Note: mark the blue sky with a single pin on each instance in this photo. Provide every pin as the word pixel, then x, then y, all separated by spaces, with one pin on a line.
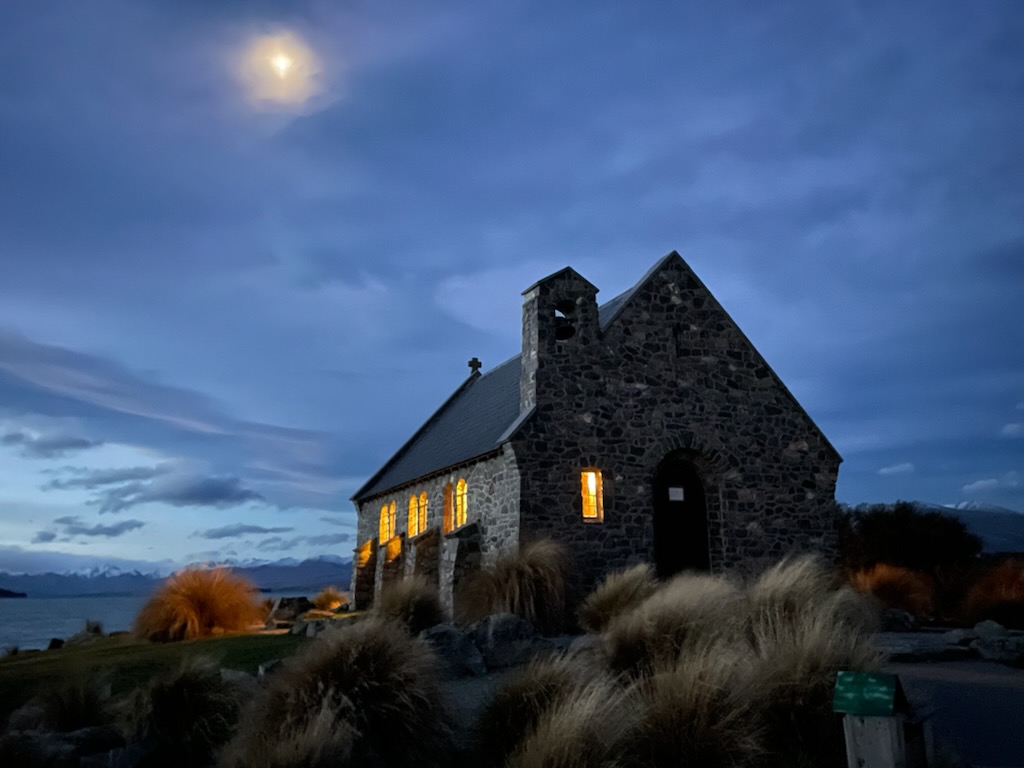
pixel 228 293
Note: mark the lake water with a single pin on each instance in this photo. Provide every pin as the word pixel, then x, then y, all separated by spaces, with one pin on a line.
pixel 30 622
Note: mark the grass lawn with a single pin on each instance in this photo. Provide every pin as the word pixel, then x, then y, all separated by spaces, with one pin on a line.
pixel 128 663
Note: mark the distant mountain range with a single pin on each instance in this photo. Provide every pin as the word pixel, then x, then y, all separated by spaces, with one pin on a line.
pixel 279 575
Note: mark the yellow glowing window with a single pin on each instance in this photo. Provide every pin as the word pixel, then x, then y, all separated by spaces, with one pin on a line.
pixel 449 518
pixel 460 503
pixel 423 512
pixel 414 516
pixel 387 522
pixel 593 495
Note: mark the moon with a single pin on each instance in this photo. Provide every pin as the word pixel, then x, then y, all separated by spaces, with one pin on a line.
pixel 280 71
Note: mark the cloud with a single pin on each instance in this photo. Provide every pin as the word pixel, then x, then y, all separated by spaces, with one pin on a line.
pixel 342 522
pixel 1005 481
pixel 905 468
pixel 239 529
pixel 91 479
pixel 51 446
pixel 72 525
pixel 328 539
pixel 280 544
pixel 980 486
pixel 179 490
pixel 42 537
pixel 1015 429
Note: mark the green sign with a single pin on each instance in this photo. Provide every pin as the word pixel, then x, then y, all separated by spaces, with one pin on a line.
pixel 868 694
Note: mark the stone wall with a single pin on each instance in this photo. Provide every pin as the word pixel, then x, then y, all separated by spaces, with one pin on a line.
pixel 671 373
pixel 492 502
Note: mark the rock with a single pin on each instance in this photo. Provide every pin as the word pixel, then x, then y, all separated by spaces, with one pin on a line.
pixel 456 650
pixel 27 717
pixel 267 668
pixel 125 757
pixel 506 640
pixel 588 646
pixel 897 620
pixel 298 628
pixel 98 738
pixel 1005 650
pixel 314 628
pixel 289 608
pixel 962 637
pixel 987 629
pixel 54 644
pixel 30 748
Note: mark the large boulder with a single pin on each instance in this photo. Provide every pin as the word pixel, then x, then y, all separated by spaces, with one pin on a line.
pixel 506 640
pixel 1007 649
pixel 990 629
pixel 457 651
pixel 288 609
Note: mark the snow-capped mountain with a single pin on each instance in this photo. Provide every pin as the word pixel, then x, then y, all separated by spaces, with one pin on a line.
pixel 285 574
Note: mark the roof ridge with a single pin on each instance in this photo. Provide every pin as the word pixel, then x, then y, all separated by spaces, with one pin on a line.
pixel 432 419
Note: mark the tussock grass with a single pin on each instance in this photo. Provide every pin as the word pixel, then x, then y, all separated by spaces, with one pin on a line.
pixel 522 701
pixel 369 686
pixel 80 701
pixel 898 587
pixel 799 648
pixel 998 594
pixel 579 730
pixel 197 603
pixel 689 610
pixel 182 717
pixel 532 583
pixel 413 602
pixel 329 599
pixel 617 593
pixel 704 710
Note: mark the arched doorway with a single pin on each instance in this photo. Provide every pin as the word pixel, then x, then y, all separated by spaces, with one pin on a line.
pixel 680 518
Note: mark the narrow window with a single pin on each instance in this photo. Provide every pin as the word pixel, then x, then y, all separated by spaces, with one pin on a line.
pixel 386 529
pixel 393 519
pixel 414 516
pixel 593 496
pixel 449 519
pixel 423 512
pixel 460 503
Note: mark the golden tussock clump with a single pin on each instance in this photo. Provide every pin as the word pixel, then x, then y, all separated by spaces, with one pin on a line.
pixel 898 587
pixel 998 594
pixel 532 583
pixel 197 603
pixel 329 599
pixel 617 593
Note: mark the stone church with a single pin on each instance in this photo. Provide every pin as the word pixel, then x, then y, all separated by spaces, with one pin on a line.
pixel 647 428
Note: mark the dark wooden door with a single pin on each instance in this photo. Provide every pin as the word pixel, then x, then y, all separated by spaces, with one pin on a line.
pixel 680 518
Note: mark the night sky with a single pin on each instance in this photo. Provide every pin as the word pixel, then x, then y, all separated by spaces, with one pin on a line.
pixel 246 248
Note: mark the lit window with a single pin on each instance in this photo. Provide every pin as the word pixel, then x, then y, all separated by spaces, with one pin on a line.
pixel 593 496
pixel 414 516
pixel 387 523
pixel 449 518
pixel 460 503
pixel 423 512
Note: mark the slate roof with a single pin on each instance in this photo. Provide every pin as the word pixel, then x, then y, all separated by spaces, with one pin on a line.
pixel 471 423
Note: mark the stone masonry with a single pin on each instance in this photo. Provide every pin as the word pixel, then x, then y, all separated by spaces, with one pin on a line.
pixel 662 372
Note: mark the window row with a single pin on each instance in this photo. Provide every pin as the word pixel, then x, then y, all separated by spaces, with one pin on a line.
pixel 455 512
